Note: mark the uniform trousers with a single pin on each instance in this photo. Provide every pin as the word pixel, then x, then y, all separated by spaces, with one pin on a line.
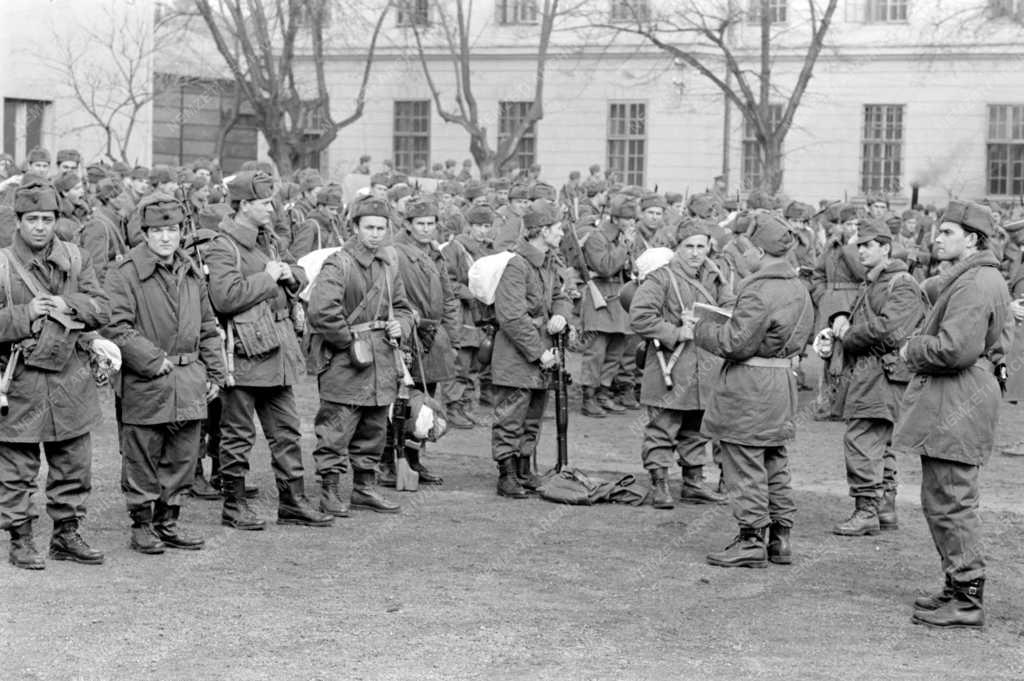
pixel 159 462
pixel 518 413
pixel 279 417
pixel 629 374
pixel 757 480
pixel 347 432
pixel 870 464
pixel 673 435
pixel 601 359
pixel 68 481
pixel 459 390
pixel 949 499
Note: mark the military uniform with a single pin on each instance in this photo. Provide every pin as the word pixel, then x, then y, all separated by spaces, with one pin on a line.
pixel 319 229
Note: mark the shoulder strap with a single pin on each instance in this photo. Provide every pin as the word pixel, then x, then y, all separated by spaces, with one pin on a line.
pixel 75 255
pixel 33 285
pixel 5 275
pixel 692 282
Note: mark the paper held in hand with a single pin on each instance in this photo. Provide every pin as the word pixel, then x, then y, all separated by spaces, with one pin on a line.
pixel 711 313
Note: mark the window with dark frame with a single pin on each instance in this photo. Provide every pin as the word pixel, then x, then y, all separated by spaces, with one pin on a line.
pixel 882 148
pixel 411 134
pixel 752 169
pixel 1005 150
pixel 513 12
pixel 627 141
pixel 883 11
pixel 412 13
pixel 1006 9
pixel 629 10
pixel 24 120
pixel 510 116
pixel 776 11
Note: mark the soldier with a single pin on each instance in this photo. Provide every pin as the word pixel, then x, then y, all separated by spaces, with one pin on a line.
pixel 74 211
pixel 608 265
pixel 251 281
pixel 162 321
pixel 752 407
pixel 460 254
pixel 322 227
pixel 50 296
pixel 38 163
pixel 530 308
pixel 103 235
pixel 358 312
pixel 508 223
pixel 310 184
pixel 68 161
pixel 674 413
pixel 887 310
pixel 364 165
pixel 951 408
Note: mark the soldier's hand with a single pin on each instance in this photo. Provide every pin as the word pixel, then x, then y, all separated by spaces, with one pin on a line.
pixel 556 324
pixel 165 368
pixel 840 325
pixel 60 306
pixel 686 331
pixel 40 306
pixel 394 330
pixel 548 359
pixel 275 269
pixel 286 272
pixel 212 390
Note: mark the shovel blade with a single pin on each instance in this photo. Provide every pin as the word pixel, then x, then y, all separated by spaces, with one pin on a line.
pixel 406 479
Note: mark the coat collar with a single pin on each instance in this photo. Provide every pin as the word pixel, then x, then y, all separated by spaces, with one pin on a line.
pixel 890 268
pixel 943 281
pixel 775 270
pixel 146 262
pixel 56 253
pixel 413 249
pixel 364 256
pixel 244 235
pixel 533 255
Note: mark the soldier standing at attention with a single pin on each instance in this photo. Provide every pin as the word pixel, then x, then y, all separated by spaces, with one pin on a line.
pixel 951 407
pixel 753 406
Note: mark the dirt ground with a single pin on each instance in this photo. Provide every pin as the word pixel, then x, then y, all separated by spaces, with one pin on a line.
pixel 466 585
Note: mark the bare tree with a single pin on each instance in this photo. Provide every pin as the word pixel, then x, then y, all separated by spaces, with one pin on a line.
pixel 259 41
pixel 701 36
pixel 456 47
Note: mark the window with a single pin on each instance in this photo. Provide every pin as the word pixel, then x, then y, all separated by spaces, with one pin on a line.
pixel 413 12
pixel 627 140
pixel 1005 153
pixel 882 148
pixel 304 19
pixel 510 116
pixel 630 10
pixel 517 12
pixel 752 170
pixel 776 11
pixel 1006 9
pixel 880 11
pixel 24 122
pixel 412 134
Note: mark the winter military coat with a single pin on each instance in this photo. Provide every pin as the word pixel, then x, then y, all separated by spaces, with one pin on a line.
pixel 459 255
pixel 49 406
pixel 951 407
pixel 528 295
pixel 163 312
pixel 608 264
pixel 429 292
pixel 836 280
pixel 317 231
pixel 238 282
pixel 887 310
pixel 656 314
pixel 772 317
pixel 1015 357
pixel 103 236
pixel 355 287
pixel 508 229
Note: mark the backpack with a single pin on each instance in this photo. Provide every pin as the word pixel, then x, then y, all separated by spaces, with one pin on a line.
pixel 485 273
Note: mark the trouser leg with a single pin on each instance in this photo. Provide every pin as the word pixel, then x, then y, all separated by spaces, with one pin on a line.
pixel 747 482
pixel 459 390
pixel 615 344
pixel 368 437
pixel 142 447
pixel 280 420
pixel 334 426
pixel 949 499
pixel 19 468
pixel 691 446
pixel 781 505
pixel 69 480
pixel 538 400
pixel 592 360
pixel 865 447
pixel 627 375
pixel 237 430
pixel 176 467
pixel 660 437
pixel 510 408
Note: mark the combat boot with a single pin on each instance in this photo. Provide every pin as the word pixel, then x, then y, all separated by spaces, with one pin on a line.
pixel 524 471
pixel 330 500
pixel 165 523
pixel 201 487
pixel 23 548
pixel 458 418
pixel 627 399
pixel 863 521
pixel 293 507
pixel 887 519
pixel 143 538
pixel 236 512
pixel 937 599
pixel 365 496
pixel 412 455
pixel 661 497
pixel 694 491
pixel 508 481
pixel 746 550
pixel 386 474
pixel 779 551
pixel 590 406
pixel 963 611
pixel 67 544
pixel 607 402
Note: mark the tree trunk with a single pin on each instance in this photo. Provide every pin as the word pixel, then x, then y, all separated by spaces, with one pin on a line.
pixel 280 153
pixel 771 177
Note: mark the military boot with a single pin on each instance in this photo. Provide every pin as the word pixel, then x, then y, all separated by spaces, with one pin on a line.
pixel 201 487
pixel 779 551
pixel 963 611
pixel 863 521
pixel 365 496
pixel 694 491
pixel 887 519
pixel 746 550
pixel 412 455
pixel 590 406
pixel 508 481
pixel 626 398
pixel 458 418
pixel 236 512
pixel 607 401
pixel 661 496
pixel 67 544
pixel 143 538
pixel 937 599
pixel 524 471
pixel 23 548
pixel 294 508
pixel 386 474
pixel 165 523
pixel 330 500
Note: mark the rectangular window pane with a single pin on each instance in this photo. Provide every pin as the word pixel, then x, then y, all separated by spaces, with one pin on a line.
pixel 751 169
pixel 629 10
pixel 1005 150
pixel 510 116
pixel 411 135
pixel 882 148
pixel 627 141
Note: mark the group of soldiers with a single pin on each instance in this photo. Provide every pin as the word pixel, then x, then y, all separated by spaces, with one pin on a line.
pixel 182 287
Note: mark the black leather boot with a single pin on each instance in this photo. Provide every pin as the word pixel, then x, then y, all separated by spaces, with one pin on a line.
pixel 293 508
pixel 236 512
pixel 887 518
pixel 937 599
pixel 165 523
pixel 863 521
pixel 746 550
pixel 67 544
pixel 143 538
pixel 412 455
pixel 607 401
pixel 694 491
pixel 366 497
pixel 963 611
pixel 779 551
pixel 508 481
pixel 590 406
pixel 23 548
pixel 330 499
pixel 201 487
pixel 387 476
pixel 524 471
pixel 661 496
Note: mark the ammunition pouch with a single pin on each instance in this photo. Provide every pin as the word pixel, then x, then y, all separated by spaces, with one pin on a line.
pixel 55 344
pixel 256 330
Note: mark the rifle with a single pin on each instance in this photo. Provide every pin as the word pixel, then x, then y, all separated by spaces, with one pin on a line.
pixel 8 376
pixel 562 380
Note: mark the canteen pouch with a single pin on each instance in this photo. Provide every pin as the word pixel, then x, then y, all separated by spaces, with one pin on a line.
pixel 895 369
pixel 486 349
pixel 54 346
pixel 256 331
pixel 360 352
